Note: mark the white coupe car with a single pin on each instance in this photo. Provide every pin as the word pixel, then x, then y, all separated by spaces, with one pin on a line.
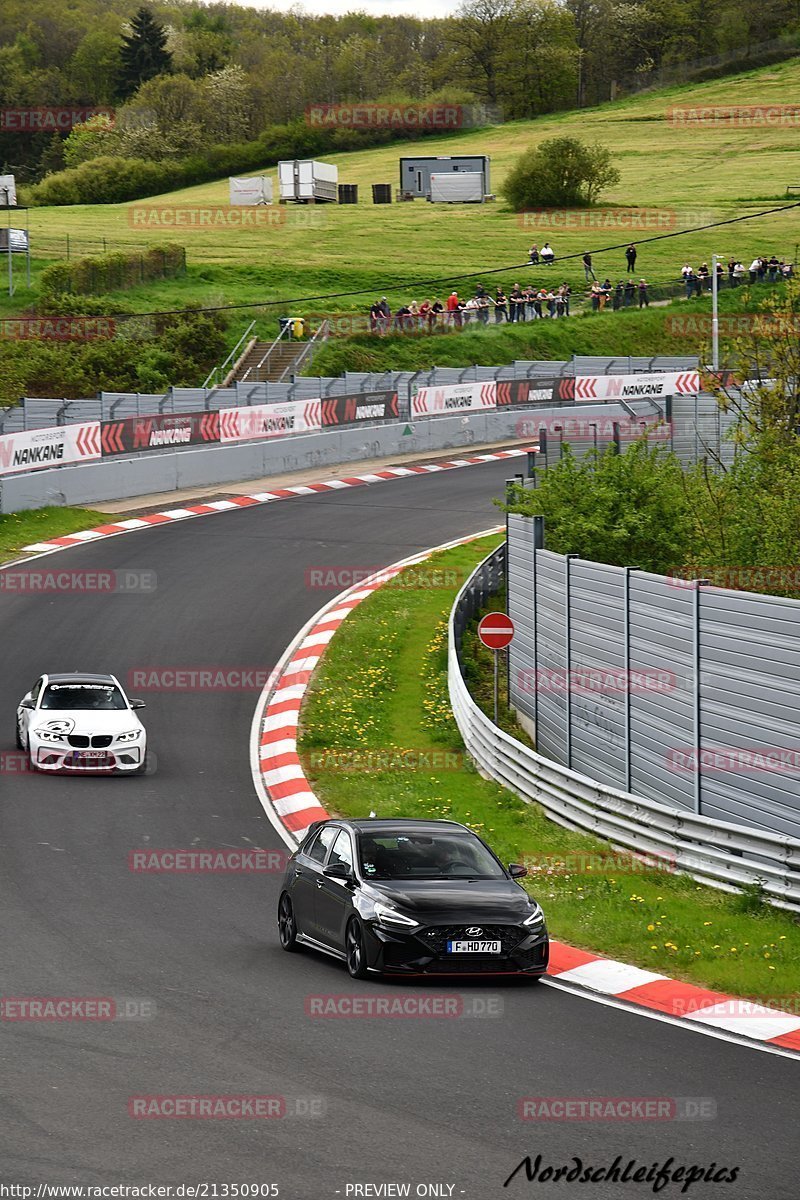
pixel 81 723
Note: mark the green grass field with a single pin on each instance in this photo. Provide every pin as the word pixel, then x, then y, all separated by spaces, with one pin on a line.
pixel 382 688
pixel 24 528
pixel 690 175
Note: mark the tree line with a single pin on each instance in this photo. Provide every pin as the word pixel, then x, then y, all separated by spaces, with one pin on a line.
pixel 183 74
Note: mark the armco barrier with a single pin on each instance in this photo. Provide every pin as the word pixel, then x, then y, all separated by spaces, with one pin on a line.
pixel 723 855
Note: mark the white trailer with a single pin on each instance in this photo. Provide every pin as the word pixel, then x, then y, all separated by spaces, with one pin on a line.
pixel 306 179
pixel 255 190
pixel 464 187
pixel 8 191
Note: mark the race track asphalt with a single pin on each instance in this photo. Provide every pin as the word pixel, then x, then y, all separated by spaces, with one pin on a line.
pixel 416 1101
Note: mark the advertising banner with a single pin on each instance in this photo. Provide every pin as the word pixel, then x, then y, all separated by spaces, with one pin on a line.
pixel 35 448
pixel 530 392
pixel 637 387
pixel 453 398
pixel 159 431
pixel 360 406
pixel 269 420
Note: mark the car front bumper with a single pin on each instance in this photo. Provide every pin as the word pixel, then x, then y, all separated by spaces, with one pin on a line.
pixel 63 758
pixel 424 952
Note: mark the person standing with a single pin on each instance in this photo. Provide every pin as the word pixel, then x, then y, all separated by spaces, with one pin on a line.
pixel 452 309
pixel 587 268
pixel 619 293
pixel 644 299
pixel 630 258
pixel 515 302
pixel 630 292
pixel 500 307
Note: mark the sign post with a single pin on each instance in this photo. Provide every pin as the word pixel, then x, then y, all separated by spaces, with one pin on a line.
pixel 496 631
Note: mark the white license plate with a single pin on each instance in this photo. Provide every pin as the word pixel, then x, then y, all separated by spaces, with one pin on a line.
pixel 475 947
pixel 90 754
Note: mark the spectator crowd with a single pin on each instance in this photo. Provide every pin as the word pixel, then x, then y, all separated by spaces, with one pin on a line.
pixel 531 303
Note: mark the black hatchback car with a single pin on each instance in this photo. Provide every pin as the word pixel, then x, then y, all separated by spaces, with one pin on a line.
pixel 404 897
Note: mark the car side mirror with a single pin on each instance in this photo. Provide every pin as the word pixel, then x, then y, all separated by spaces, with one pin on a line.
pixel 516 870
pixel 27 703
pixel 338 870
pixel 138 704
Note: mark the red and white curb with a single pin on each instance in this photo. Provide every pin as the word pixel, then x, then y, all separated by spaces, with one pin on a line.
pixel 278 773
pixel 216 506
pixel 291 805
pixel 711 1011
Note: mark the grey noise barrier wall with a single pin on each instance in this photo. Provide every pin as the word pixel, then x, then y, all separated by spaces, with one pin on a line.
pixel 686 694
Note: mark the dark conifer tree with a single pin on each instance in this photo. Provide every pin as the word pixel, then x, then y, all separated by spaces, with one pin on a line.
pixel 143 54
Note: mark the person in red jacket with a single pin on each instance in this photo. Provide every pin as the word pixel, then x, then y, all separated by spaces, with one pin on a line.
pixel 453 311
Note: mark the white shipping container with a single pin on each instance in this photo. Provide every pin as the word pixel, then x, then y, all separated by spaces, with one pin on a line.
pixel 307 179
pixel 458 187
pixel 8 191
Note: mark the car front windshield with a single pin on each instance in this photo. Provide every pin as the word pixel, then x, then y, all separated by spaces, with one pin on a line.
pixel 389 855
pixel 91 697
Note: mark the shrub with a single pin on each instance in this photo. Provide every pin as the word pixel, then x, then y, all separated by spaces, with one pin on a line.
pixel 561 171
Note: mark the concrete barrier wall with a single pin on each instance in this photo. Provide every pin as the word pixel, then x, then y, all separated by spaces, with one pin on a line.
pixel 120 478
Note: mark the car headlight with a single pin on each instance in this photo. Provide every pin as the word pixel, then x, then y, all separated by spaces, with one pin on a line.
pixel 130 736
pixel 390 916
pixel 536 917
pixel 51 735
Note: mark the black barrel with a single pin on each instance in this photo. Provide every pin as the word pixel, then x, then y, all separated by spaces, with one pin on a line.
pixel 348 193
pixel 381 193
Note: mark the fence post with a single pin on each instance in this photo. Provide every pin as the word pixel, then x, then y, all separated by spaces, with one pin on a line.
pixel 538 544
pixel 568 650
pixel 697 716
pixel 627 668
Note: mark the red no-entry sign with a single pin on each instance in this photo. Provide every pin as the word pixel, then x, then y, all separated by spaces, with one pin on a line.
pixel 496 630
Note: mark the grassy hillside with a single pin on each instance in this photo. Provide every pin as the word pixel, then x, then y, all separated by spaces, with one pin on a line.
pixel 695 174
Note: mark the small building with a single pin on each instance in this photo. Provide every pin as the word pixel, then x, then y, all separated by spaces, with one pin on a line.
pixel 415 173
